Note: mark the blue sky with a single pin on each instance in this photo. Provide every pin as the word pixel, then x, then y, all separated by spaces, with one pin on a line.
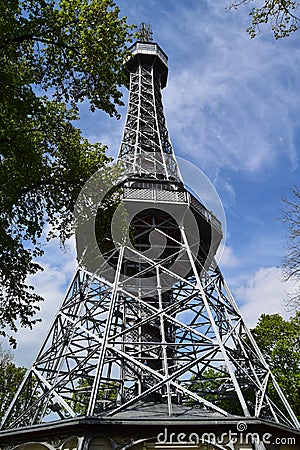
pixel 232 109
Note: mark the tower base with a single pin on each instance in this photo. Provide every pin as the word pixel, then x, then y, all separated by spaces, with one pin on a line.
pixel 146 427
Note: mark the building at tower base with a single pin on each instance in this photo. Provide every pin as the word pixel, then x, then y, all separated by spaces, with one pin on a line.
pixel 148 428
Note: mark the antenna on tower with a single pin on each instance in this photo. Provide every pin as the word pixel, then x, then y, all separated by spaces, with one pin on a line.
pixel 145 33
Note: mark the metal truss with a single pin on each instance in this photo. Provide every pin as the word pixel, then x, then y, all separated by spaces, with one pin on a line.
pixel 160 327
pixel 145 147
pixel 185 346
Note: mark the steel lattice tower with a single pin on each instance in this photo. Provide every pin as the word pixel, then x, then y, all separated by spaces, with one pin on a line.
pixel 162 334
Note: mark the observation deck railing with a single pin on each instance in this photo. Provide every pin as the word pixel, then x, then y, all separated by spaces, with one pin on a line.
pixel 171 196
pixel 149 49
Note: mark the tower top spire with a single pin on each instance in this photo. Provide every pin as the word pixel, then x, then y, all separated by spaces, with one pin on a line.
pixel 145 32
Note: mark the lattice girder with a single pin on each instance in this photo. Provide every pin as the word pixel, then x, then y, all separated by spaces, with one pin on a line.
pixel 145 147
pixel 156 322
pixel 109 348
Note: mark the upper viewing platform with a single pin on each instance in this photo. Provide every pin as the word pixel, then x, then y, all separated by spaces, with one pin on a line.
pixel 149 48
pixel 147 53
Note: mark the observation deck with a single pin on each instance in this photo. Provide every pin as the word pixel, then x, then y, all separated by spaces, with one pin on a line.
pixel 148 54
pixel 158 194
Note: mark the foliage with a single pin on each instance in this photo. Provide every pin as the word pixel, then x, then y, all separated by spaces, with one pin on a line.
pixel 97 212
pixel 291 261
pixel 107 393
pixel 10 378
pixel 280 14
pixel 74 47
pixel 51 52
pixel 215 386
pixel 279 341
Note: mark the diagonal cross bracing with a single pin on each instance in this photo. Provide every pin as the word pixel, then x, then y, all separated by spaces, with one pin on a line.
pixel 154 328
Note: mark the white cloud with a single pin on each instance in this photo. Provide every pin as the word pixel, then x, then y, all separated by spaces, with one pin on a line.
pixel 229 103
pixel 226 257
pixel 59 268
pixel 228 187
pixel 263 293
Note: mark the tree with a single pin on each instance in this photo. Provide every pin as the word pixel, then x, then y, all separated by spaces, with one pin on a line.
pixel 54 54
pixel 215 387
pixel 279 341
pixel 291 260
pixel 107 393
pixel 280 14
pixel 10 378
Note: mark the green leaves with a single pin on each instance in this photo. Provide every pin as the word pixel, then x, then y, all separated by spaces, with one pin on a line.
pixel 281 15
pixel 51 53
pixel 291 260
pixel 45 162
pixel 279 341
pixel 10 379
pixel 75 48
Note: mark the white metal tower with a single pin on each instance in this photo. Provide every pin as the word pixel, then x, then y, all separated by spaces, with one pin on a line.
pixel 154 328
